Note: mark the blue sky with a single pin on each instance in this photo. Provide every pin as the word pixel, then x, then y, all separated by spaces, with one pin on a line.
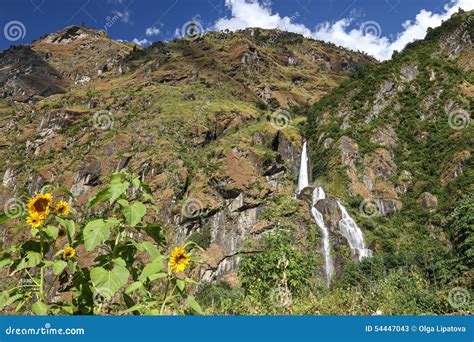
pixel 375 26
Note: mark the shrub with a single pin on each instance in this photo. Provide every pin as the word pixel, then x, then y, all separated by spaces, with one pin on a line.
pixel 93 259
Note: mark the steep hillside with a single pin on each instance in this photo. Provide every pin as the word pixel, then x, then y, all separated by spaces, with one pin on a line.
pixel 205 122
pixel 395 142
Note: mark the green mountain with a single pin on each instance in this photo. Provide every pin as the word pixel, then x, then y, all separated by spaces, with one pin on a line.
pixel 215 124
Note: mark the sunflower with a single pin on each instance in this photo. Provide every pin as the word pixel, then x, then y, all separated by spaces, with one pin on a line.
pixel 69 252
pixel 179 260
pixel 40 204
pixel 35 220
pixel 62 208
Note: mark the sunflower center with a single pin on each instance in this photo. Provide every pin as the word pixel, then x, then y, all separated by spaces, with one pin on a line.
pixel 180 259
pixel 41 205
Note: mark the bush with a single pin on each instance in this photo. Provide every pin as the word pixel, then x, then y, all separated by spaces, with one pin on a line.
pixel 91 257
pixel 279 265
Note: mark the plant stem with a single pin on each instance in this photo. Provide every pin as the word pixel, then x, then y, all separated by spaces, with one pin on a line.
pixel 41 271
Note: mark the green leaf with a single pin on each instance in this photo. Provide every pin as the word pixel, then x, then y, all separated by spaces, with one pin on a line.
pixel 151 250
pixel 136 182
pixel 158 276
pixel 180 283
pixel 6 261
pixel 97 231
pixel 194 305
pixel 101 196
pixel 40 308
pixel 134 213
pixel 151 269
pixel 107 283
pixel 59 266
pixel 135 286
pixel 117 188
pixel 6 300
pixel 30 260
pixel 51 231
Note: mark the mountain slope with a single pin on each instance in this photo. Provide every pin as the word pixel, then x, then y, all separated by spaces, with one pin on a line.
pixel 395 142
pixel 195 119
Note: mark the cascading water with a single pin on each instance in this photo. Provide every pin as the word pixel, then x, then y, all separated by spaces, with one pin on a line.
pixel 348 227
pixel 303 179
pixel 318 194
pixel 353 234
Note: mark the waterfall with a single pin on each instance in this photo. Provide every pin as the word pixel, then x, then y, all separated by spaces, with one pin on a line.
pixel 349 229
pixel 353 234
pixel 303 179
pixel 318 194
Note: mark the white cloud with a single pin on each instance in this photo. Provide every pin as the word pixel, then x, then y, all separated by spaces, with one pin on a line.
pixel 142 42
pixel 367 37
pixel 124 15
pixel 152 31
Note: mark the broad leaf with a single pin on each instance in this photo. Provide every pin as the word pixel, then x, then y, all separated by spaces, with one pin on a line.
pixel 151 269
pixel 193 304
pixel 97 231
pixel 135 286
pixel 134 213
pixel 107 283
pixel 51 231
pixel 59 266
pixel 31 259
pixel 40 308
pixel 117 188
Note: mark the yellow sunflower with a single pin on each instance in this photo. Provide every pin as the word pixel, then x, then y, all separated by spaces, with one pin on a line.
pixel 69 252
pixel 62 208
pixel 179 260
pixel 35 220
pixel 40 204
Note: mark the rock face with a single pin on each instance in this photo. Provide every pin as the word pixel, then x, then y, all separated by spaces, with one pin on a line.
pixel 428 201
pixel 54 63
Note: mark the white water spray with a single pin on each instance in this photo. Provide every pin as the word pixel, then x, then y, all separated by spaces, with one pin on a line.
pixel 353 234
pixel 348 227
pixel 303 179
pixel 318 194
